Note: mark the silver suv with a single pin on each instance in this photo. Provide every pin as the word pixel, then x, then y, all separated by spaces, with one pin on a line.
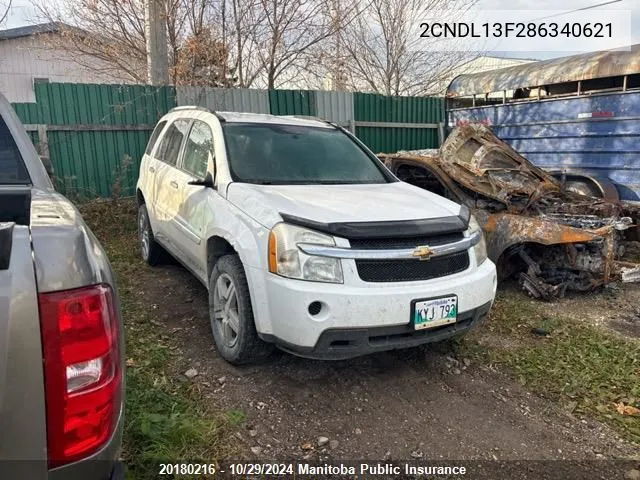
pixel 61 335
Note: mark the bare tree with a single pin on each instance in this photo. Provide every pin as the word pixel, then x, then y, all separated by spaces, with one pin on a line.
pixel 202 60
pixel 108 36
pixel 5 8
pixel 386 54
pixel 234 17
pixel 100 35
pixel 280 42
pixel 248 43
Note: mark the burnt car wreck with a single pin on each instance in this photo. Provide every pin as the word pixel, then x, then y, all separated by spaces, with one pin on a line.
pixel 537 229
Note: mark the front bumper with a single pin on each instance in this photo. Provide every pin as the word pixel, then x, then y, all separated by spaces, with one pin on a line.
pixel 343 343
pixel 362 314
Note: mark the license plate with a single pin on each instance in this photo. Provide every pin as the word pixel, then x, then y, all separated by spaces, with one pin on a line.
pixel 434 312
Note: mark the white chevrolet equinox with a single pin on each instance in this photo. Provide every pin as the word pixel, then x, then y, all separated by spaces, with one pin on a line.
pixel 305 240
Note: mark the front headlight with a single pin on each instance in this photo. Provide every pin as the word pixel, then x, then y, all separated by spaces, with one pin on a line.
pixel 287 260
pixel 480 248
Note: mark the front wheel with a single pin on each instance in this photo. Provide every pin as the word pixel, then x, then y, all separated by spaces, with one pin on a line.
pixel 231 315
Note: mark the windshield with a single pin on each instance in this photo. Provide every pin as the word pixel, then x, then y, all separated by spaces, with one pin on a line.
pixel 292 154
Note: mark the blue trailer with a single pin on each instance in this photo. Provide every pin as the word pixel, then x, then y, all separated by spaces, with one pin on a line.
pixel 578 116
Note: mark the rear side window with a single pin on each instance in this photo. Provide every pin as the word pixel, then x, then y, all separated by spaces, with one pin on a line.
pixel 12 168
pixel 198 149
pixel 169 148
pixel 154 137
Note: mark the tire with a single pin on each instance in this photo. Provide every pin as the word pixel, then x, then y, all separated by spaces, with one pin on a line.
pixel 150 251
pixel 232 324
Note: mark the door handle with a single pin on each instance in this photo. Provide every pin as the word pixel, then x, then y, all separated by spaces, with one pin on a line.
pixel 173 184
pixel 152 170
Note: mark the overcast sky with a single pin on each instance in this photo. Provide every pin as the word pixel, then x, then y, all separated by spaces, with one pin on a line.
pixel 23 14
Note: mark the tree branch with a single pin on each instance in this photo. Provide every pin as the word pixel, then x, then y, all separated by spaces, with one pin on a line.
pixel 4 15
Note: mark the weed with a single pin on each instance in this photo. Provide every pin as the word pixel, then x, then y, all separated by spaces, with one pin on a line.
pixel 236 417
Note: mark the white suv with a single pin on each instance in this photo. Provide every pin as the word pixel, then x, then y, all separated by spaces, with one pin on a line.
pixel 305 240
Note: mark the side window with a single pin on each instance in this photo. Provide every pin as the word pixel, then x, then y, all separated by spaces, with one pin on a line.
pixel 198 149
pixel 169 148
pixel 154 137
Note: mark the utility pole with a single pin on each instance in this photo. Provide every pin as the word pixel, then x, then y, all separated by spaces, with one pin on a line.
pixel 338 75
pixel 156 36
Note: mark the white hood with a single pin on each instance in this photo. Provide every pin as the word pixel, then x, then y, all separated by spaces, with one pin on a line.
pixel 339 203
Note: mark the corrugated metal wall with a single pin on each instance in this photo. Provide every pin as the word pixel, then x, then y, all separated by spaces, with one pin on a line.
pixel 223 99
pixel 97 133
pixel 340 107
pixel 293 102
pixel 88 161
pixel 378 108
pixel 335 106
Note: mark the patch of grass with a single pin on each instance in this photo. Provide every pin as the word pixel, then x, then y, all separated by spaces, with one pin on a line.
pixel 166 418
pixel 591 369
pixel 236 417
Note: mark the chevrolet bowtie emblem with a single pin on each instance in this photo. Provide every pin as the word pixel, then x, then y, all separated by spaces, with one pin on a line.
pixel 423 252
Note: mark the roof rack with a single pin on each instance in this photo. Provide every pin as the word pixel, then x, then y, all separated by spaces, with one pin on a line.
pixel 196 107
pixel 190 107
pixel 311 117
pixel 305 117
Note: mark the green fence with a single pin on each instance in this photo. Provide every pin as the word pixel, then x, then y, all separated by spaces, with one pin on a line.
pixel 95 135
pixel 413 113
pixel 292 102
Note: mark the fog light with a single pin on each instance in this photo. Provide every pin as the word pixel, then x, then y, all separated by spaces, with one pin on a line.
pixel 315 308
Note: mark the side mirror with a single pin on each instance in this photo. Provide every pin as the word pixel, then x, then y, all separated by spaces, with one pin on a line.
pixel 48 166
pixel 207 182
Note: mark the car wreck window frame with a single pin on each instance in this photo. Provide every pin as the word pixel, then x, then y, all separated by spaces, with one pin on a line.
pixel 388 176
pixel 452 194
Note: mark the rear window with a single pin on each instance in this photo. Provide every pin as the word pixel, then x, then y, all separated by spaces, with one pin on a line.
pixel 12 168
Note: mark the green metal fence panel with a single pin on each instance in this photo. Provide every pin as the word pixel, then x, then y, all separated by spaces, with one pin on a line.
pixel 88 161
pixel 69 104
pixel 97 164
pixel 292 102
pixel 28 112
pixel 391 140
pixel 378 108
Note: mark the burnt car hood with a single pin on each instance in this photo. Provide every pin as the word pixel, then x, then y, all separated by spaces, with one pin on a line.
pixel 478 160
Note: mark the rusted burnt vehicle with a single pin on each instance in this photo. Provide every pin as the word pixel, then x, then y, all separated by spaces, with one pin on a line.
pixel 537 229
